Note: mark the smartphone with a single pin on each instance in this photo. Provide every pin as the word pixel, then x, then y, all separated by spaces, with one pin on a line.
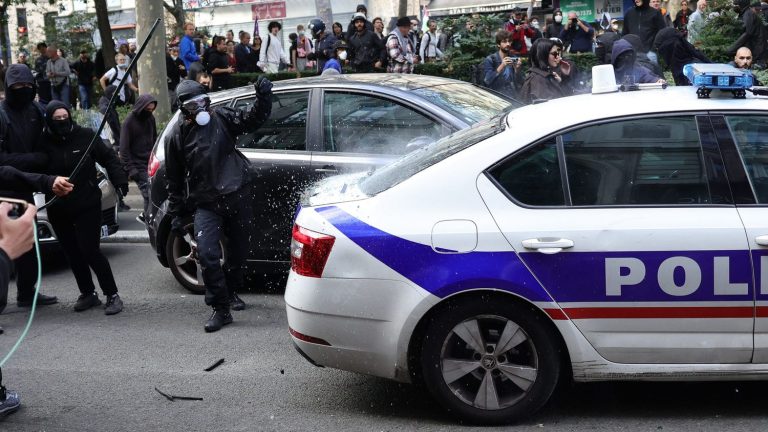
pixel 18 207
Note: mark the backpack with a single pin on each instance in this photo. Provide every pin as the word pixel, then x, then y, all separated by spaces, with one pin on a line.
pixel 130 97
pixel 476 74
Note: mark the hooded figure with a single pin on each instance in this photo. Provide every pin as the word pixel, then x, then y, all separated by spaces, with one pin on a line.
pixel 76 218
pixel 139 133
pixel 644 21
pixel 625 68
pixel 605 45
pixel 676 53
pixel 642 56
pixel 20 126
pixel 554 29
pixel 113 119
pixel 754 34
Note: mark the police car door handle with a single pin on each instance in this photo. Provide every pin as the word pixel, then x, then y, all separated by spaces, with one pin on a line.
pixel 548 245
pixel 762 240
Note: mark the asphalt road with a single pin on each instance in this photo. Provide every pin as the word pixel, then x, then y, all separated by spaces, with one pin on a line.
pixel 89 372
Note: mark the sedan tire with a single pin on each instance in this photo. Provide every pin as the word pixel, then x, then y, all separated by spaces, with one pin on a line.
pixel 183 261
pixel 490 361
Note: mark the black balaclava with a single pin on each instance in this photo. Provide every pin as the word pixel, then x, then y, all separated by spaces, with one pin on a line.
pixel 19 98
pixel 59 128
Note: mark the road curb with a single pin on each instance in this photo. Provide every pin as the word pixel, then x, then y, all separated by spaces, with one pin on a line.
pixel 138 236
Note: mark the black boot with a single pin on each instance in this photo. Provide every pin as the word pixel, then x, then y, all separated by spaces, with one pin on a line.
pixel 219 318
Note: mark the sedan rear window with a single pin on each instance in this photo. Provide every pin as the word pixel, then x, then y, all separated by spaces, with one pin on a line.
pixel 467 102
pixel 421 159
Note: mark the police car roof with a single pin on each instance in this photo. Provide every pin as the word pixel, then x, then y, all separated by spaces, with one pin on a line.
pixel 574 110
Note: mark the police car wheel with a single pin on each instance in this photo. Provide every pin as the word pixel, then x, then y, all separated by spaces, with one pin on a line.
pixel 489 361
pixel 183 263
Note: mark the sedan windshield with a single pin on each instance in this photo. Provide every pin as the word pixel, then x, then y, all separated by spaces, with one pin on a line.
pixel 467 102
pixel 421 159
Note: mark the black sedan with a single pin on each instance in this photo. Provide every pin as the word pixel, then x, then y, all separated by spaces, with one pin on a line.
pixel 319 127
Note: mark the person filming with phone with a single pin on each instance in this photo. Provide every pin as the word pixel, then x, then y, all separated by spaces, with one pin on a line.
pixel 17 225
pixel 577 34
pixel 501 70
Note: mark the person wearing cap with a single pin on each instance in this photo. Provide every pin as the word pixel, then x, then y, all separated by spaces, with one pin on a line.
pixel 85 78
pixel 428 50
pixel 754 34
pixel 364 48
pixel 360 9
pixel 400 49
pixel 337 62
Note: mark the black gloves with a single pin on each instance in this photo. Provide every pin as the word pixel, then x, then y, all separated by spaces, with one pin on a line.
pixel 177 226
pixel 263 86
pixel 123 188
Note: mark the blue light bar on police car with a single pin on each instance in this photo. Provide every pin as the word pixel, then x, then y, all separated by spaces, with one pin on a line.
pixel 717 76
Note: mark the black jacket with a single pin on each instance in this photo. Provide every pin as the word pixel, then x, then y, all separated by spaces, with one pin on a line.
pixel 753 37
pixel 365 50
pixel 246 58
pixel 645 22
pixel 64 153
pixel 138 134
pixel 205 158
pixel 677 52
pixel 22 181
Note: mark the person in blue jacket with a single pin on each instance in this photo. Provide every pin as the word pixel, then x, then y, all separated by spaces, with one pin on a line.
pixel 501 70
pixel 187 50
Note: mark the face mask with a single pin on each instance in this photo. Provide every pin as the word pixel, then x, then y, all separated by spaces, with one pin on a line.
pixel 535 24
pixel 301 33
pixel 18 98
pixel 61 127
pixel 174 57
pixel 615 26
pixel 203 118
pixel 123 66
pixel 343 55
pixel 144 114
pixel 559 19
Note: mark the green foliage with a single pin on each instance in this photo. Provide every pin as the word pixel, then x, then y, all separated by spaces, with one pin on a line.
pixel 433 69
pixel 583 61
pixel 78 31
pixel 718 34
pixel 762 75
pixel 474 44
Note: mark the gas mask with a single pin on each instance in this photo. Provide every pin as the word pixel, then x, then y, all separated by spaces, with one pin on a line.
pixel 343 55
pixel 197 109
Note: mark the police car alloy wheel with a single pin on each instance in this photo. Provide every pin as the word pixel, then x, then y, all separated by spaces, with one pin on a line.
pixel 489 360
pixel 183 262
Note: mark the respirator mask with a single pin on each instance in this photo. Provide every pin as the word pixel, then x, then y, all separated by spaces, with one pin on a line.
pixel 197 109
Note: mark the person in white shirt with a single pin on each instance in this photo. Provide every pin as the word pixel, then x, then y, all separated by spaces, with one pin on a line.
pixel 113 77
pixel 271 53
pixel 428 49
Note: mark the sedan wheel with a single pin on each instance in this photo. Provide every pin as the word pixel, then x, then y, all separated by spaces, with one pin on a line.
pixel 490 362
pixel 183 261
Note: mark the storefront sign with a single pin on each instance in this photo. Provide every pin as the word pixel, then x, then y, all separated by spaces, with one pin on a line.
pixel 267 11
pixel 593 10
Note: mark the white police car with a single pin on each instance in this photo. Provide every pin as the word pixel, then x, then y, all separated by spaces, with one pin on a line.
pixel 596 237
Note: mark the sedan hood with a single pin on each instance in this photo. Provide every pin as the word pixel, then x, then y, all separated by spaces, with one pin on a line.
pixel 334 190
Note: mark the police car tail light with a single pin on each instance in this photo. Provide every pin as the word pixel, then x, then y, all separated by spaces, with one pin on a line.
pixel 154 165
pixel 310 251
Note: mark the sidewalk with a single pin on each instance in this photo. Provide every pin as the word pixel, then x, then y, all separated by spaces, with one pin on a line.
pixel 131 230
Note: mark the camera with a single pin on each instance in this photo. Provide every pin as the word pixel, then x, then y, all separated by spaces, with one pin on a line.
pixel 18 207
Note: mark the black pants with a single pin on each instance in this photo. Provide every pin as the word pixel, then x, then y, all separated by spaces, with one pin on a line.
pixel 26 269
pixel 228 216
pixel 79 233
pixel 142 181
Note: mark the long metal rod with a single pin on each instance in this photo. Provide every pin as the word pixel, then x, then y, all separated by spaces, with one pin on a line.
pixel 112 102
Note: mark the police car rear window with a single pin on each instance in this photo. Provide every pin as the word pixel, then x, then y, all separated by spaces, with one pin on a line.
pixel 416 161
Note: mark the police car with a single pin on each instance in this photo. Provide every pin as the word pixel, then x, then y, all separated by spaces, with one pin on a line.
pixel 595 237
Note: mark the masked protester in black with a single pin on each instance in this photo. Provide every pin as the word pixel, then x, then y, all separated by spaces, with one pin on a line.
pixel 20 126
pixel 76 218
pixel 201 152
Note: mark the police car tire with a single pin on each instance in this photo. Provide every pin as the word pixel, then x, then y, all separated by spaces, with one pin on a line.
pixel 170 253
pixel 548 359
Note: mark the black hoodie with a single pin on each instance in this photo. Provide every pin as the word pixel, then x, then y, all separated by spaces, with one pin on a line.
pixel 64 152
pixel 645 22
pixel 138 136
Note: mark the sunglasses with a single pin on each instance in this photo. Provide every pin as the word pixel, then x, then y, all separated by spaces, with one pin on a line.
pixel 196 103
pixel 555 54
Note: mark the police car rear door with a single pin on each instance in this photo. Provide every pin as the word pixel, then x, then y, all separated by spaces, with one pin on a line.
pixel 743 139
pixel 629 224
